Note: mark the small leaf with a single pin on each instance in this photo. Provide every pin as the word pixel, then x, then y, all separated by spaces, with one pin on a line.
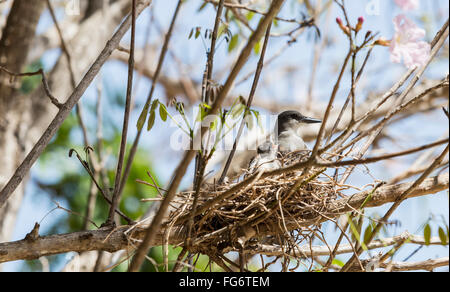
pixel 258 119
pixel 249 122
pixel 233 42
pixel 142 117
pixel 367 233
pixel 442 236
pixel 221 30
pixel 202 6
pixel 237 110
pixel 163 112
pixel 355 234
pixel 427 234
pixel 154 105
pixel 191 33
pixel 338 262
pixel 250 15
pixel 197 32
pixel 151 121
pixel 275 22
pixel 213 125
pixel 205 105
pixel 201 112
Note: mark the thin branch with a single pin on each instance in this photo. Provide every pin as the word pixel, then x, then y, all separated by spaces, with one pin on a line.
pixel 162 56
pixel 383 157
pixel 428 265
pixel 126 118
pixel 94 180
pixel 53 99
pixel 259 68
pixel 330 105
pixel 201 157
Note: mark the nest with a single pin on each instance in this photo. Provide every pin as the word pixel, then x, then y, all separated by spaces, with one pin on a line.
pixel 269 210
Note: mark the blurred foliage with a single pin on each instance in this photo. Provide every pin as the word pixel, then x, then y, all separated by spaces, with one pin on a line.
pixel 65 181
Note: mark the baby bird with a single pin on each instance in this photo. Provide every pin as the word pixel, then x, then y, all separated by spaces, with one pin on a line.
pixel 266 159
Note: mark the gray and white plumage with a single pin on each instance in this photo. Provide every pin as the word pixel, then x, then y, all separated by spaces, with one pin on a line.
pixel 288 131
pixel 266 159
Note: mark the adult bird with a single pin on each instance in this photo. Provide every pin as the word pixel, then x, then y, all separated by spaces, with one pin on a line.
pixel 288 139
pixel 288 131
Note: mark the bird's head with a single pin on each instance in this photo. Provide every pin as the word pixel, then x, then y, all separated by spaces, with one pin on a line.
pixel 267 147
pixel 292 120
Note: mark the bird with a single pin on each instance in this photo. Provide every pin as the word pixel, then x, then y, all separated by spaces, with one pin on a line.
pixel 288 131
pixel 288 145
pixel 266 158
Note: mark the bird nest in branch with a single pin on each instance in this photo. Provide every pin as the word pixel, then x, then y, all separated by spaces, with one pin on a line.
pixel 267 210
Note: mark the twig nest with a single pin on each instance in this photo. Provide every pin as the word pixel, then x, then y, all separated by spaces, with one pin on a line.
pixel 236 221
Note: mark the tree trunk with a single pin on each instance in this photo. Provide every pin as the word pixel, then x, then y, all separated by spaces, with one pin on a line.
pixel 17 37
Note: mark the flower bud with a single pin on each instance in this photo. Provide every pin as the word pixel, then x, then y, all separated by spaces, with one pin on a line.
pixel 343 27
pixel 382 42
pixel 359 24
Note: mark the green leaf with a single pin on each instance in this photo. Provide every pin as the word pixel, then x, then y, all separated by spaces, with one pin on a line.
pixel 427 234
pixel 233 42
pixel 197 32
pixel 355 234
pixel 442 236
pixel 163 112
pixel 237 110
pixel 205 105
pixel 367 233
pixel 250 15
pixel 151 121
pixel 275 22
pixel 154 105
pixel 213 125
pixel 191 33
pixel 201 113
pixel 258 119
pixel 249 122
pixel 337 262
pixel 221 30
pixel 142 117
pixel 202 6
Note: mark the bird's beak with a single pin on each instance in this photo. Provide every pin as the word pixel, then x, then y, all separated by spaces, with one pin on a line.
pixel 307 120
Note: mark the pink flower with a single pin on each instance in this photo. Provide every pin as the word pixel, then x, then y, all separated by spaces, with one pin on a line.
pixel 407 4
pixel 407 44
